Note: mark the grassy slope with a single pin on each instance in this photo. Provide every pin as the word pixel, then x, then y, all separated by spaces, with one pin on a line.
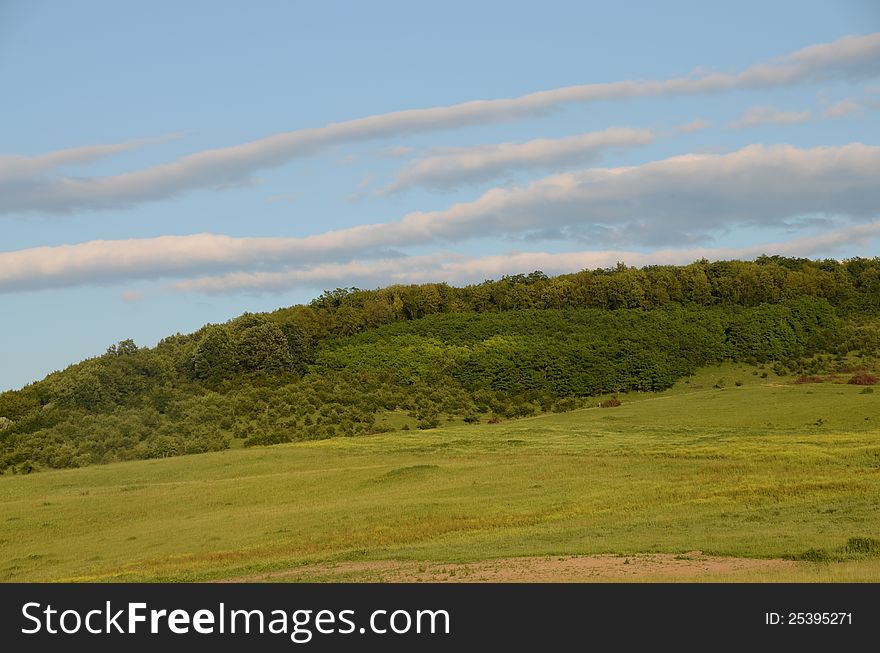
pixel 736 471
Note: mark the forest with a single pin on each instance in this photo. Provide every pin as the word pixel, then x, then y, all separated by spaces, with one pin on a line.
pixel 493 351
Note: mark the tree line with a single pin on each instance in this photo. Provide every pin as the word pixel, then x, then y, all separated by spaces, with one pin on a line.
pixel 500 349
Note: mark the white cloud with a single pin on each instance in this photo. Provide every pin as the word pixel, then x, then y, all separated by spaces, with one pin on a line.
pixel 683 199
pixel 770 116
pixel 106 261
pixel 851 57
pixel 842 109
pixel 456 269
pixel 452 167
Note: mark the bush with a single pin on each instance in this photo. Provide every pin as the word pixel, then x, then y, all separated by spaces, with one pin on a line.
pixel 863 378
pixel 610 403
pixel 811 555
pixel 428 423
pixel 522 410
pixel 864 546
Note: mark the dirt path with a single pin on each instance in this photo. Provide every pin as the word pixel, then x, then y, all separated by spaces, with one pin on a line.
pixel 539 569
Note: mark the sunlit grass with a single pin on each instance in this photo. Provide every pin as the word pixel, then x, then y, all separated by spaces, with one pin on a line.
pixel 762 469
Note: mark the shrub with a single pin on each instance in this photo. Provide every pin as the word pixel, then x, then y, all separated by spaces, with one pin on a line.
pixel 812 555
pixel 564 405
pixel 610 403
pixel 863 378
pixel 811 379
pixel 429 423
pixel 522 410
pixel 865 546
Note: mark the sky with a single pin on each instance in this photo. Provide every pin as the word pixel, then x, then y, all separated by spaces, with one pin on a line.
pixel 164 165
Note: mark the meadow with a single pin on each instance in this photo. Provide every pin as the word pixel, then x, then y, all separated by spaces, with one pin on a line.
pixel 725 463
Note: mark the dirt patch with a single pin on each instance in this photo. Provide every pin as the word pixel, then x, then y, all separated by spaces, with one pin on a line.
pixel 538 569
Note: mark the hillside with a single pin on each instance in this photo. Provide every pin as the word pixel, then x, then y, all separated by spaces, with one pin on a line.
pixel 771 474
pixel 357 362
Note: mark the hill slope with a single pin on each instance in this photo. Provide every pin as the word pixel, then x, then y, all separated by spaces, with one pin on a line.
pixel 359 362
pixel 765 469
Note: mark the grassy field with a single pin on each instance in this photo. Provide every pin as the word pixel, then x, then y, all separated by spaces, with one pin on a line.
pixel 755 468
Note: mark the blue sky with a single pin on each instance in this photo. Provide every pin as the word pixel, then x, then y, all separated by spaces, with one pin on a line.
pixel 668 131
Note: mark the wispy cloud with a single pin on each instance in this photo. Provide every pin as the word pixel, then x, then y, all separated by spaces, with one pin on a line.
pixel 694 126
pixel 19 166
pixel 452 167
pixel 675 201
pixel 398 151
pixel 852 57
pixel 754 116
pixel 453 268
pixel 842 109
pixel 767 115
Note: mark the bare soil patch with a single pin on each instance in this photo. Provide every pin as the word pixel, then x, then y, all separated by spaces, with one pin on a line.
pixel 537 569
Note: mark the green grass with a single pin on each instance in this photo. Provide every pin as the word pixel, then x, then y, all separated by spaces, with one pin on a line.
pixel 764 469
